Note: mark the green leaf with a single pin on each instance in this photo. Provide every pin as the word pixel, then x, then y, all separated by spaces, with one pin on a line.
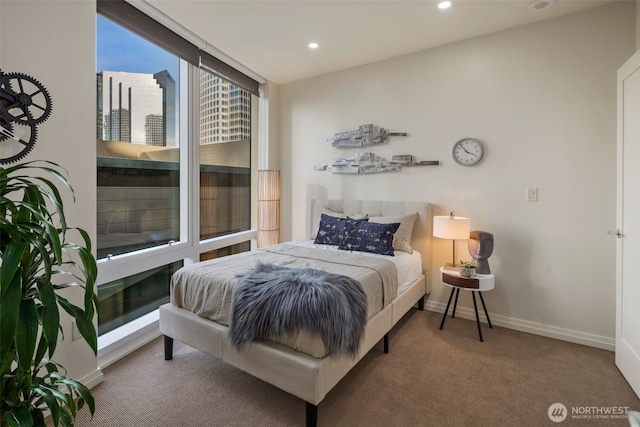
pixel 50 402
pixel 85 325
pixel 27 334
pixel 10 264
pixel 9 314
pixel 43 346
pixel 50 325
pixel 50 314
pixel 67 421
pixel 38 417
pixel 50 366
pixel 79 388
pixel 19 416
pixel 90 269
pixel 60 396
pixel 53 398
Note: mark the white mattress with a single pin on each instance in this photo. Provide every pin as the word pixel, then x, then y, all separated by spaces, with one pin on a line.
pixel 409 265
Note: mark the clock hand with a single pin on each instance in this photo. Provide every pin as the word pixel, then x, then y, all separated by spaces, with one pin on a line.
pixel 468 152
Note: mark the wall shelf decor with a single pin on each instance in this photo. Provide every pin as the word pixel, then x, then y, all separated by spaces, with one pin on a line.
pixel 364 136
pixel 366 163
pixel 407 160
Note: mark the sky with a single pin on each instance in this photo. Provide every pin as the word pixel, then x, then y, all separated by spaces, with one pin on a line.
pixel 120 50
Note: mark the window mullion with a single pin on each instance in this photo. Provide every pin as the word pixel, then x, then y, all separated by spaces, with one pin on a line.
pixel 193 128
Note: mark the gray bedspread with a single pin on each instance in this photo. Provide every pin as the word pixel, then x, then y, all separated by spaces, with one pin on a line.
pixel 206 288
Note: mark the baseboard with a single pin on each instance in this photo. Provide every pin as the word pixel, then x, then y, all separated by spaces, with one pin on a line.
pixel 93 379
pixel 605 343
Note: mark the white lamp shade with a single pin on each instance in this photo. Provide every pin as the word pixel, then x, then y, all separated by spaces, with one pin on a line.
pixel 451 227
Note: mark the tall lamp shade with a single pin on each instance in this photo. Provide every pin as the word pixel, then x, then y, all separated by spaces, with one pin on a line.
pixel 451 227
pixel 268 207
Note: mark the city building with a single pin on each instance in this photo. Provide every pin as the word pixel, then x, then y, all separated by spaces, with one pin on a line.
pixel 224 110
pixel 136 107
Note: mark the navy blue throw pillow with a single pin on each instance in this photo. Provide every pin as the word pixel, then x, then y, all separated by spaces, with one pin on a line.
pixel 331 230
pixel 370 237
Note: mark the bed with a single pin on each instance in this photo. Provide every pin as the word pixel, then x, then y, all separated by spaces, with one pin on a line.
pixel 302 371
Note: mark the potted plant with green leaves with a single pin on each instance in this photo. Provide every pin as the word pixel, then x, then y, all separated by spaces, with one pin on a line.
pixel 467 268
pixel 37 261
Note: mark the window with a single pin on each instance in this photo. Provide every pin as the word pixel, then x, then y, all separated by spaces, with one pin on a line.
pixel 138 142
pixel 154 112
pixel 225 168
pixel 138 145
pixel 128 298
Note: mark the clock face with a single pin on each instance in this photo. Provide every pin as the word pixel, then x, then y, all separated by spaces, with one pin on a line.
pixel 467 151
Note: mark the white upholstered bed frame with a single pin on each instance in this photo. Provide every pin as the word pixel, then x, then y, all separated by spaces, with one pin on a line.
pixel 306 377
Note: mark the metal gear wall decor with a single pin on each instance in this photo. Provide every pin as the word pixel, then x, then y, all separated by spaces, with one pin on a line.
pixel 24 104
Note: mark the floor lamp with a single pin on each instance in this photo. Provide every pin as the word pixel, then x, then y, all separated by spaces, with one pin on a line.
pixel 268 207
pixel 451 227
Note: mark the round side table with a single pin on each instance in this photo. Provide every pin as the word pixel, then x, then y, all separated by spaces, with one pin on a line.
pixel 479 283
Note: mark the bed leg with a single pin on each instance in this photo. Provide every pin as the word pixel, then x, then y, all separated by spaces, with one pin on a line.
pixel 168 348
pixel 386 343
pixel 421 303
pixel 311 414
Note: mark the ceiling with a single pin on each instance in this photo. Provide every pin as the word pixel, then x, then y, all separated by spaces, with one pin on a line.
pixel 270 37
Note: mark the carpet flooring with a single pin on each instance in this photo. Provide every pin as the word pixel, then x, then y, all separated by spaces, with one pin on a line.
pixel 430 377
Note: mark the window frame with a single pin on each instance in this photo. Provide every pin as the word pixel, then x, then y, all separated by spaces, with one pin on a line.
pixel 126 338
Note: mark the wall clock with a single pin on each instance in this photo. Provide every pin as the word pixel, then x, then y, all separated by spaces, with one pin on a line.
pixel 24 104
pixel 467 151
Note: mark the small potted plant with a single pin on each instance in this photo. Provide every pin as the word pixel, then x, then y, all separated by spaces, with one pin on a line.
pixel 467 268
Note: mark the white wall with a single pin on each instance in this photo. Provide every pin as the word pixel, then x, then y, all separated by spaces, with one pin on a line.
pixel 54 42
pixel 542 98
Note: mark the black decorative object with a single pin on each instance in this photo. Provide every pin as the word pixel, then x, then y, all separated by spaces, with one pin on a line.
pixel 480 249
pixel 24 104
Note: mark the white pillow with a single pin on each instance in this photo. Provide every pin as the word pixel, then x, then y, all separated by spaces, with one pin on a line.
pixel 328 211
pixel 402 237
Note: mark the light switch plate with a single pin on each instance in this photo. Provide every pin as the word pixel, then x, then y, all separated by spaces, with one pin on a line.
pixel 532 194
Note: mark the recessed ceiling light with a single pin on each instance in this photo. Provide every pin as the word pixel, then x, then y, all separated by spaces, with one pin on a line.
pixel 313 45
pixel 444 4
pixel 540 4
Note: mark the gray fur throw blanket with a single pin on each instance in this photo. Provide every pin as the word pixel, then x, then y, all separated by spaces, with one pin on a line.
pixel 271 300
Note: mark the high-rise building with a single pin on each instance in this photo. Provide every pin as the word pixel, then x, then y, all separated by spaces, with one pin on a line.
pixel 225 110
pixel 137 108
pixel 117 125
pixel 168 85
pixel 154 127
pixel 141 108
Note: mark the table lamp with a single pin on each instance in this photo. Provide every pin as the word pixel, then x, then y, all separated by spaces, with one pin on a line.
pixel 451 227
